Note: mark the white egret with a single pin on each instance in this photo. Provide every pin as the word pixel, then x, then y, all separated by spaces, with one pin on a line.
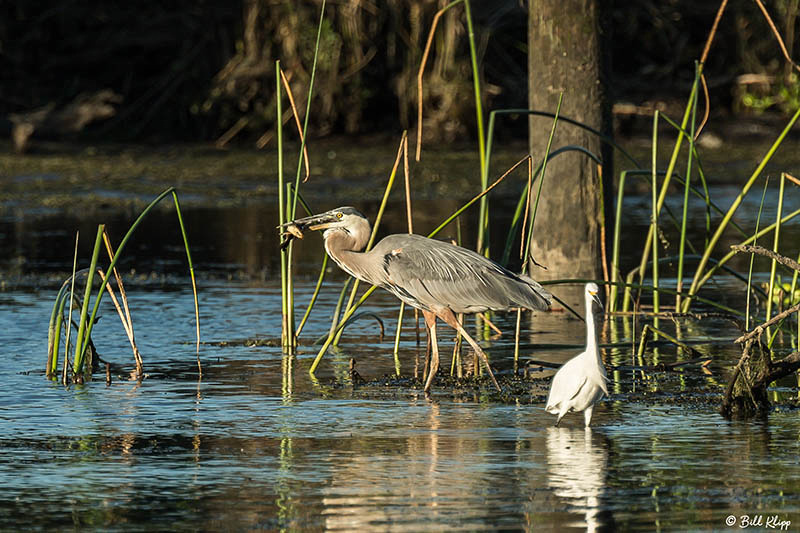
pixel 581 382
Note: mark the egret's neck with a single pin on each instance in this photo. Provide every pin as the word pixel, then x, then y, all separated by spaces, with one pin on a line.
pixel 591 331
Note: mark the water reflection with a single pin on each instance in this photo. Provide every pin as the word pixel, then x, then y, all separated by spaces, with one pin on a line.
pixel 576 471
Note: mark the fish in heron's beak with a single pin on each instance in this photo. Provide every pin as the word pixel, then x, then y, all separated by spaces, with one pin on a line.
pixel 295 228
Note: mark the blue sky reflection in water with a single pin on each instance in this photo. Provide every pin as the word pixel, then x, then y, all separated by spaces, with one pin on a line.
pixel 243 449
pixel 258 445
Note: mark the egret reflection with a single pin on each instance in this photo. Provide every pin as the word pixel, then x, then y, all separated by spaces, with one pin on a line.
pixel 576 471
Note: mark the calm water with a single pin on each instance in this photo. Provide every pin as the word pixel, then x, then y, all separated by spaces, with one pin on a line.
pixel 259 444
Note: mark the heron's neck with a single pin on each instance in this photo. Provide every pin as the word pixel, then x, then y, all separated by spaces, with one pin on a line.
pixel 345 249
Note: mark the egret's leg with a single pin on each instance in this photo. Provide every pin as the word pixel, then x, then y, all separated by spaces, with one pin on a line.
pixel 448 316
pixel 430 322
pixel 587 415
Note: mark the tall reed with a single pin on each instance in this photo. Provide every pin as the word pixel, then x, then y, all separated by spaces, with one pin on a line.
pixel 654 217
pixel 86 320
pixel 686 189
pixel 775 241
pixel 699 273
pixel 752 257
pixel 288 202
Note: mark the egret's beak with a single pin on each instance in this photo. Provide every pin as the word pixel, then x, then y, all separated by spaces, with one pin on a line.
pixel 596 299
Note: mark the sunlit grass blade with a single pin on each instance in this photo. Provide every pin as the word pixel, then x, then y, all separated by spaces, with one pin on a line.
pixel 83 337
pixel 686 188
pixel 654 216
pixel 752 256
pixel 191 275
pixel 651 236
pixel 84 329
pixel 539 191
pixel 518 217
pixel 775 241
pixel 282 215
pixel 699 273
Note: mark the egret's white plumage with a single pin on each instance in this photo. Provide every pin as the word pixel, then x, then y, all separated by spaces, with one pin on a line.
pixel 581 382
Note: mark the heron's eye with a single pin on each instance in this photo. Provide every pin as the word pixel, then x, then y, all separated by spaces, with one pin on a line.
pixel 339 215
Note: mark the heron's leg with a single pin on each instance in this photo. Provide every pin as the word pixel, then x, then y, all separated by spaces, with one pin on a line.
pixel 426 365
pixel 430 322
pixel 448 316
pixel 587 415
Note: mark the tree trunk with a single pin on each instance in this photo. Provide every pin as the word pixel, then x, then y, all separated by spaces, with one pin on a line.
pixel 566 55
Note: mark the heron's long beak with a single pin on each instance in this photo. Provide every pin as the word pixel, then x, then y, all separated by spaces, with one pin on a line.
pixel 313 223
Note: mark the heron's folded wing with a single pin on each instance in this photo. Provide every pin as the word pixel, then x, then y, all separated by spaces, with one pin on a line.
pixel 439 273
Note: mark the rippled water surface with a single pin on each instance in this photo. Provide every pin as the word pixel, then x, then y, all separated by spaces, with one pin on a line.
pixel 257 443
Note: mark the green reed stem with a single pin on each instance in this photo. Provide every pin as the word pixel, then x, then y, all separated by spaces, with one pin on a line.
pixel 726 219
pixel 84 331
pixel 71 299
pixel 654 215
pixel 54 330
pixel 752 258
pixel 338 309
pixel 612 303
pixel 541 182
pixel 308 113
pixel 775 241
pixel 291 336
pixel 467 205
pixel 281 205
pixel 483 225
pixel 668 175
pixel 113 263
pixel 523 198
pixel 703 195
pixel 314 295
pixel 191 274
pixel 686 188
pixel 344 320
pixel 750 239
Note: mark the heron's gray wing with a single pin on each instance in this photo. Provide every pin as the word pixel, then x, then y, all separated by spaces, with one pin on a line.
pixel 439 274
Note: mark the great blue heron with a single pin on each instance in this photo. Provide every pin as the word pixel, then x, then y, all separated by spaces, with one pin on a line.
pixel 581 382
pixel 438 278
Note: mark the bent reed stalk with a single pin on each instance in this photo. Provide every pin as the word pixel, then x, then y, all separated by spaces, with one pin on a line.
pixel 87 320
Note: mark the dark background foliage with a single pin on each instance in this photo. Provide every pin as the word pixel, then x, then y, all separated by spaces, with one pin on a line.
pixel 196 70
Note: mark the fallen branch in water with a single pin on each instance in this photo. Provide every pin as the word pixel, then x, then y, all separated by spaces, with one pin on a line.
pixel 758 371
pixel 759 330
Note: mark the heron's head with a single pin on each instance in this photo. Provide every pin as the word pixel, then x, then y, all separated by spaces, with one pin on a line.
pixel 593 294
pixel 342 219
